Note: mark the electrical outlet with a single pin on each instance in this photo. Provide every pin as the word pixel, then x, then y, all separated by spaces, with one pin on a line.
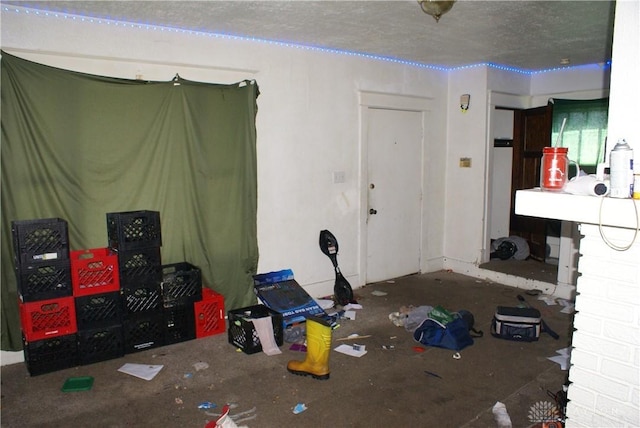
pixel 338 177
pixel 465 162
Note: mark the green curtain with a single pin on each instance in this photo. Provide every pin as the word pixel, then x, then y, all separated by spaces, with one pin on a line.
pixel 78 146
pixel 585 129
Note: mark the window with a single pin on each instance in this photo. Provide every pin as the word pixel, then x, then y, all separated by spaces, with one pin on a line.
pixel 585 130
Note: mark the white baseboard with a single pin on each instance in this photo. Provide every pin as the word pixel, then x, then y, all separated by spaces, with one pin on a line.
pixel 9 357
pixel 560 290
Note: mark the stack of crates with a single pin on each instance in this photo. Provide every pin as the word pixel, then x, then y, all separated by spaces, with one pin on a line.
pixel 181 288
pixel 96 290
pixel 86 306
pixel 46 306
pixel 136 238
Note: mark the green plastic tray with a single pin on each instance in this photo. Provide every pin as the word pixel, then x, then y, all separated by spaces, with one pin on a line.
pixel 82 383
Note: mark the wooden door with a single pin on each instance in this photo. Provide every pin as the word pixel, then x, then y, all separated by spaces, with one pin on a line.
pixel 532 132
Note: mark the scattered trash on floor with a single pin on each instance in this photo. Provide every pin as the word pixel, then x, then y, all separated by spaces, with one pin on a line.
pixel 227 420
pixel 567 306
pixel 549 300
pixel 325 303
pixel 501 416
pixel 388 347
pixel 207 405
pixel 433 374
pixel 76 384
pixel 418 349
pixel 350 315
pixel 200 366
pixel 142 371
pixel 179 400
pixel 353 336
pixel 299 408
pixel 188 375
pixel 563 358
pixel 457 356
pixel 544 411
pixel 352 350
pixel 378 293
pixel 298 347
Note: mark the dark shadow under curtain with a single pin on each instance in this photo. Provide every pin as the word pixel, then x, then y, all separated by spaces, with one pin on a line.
pixel 78 146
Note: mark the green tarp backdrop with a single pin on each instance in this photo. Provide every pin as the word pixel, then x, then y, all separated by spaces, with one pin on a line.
pixel 77 146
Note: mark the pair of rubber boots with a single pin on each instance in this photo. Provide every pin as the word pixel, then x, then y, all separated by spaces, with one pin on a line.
pixel 316 364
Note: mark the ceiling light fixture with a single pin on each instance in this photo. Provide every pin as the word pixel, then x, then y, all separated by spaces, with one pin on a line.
pixel 436 8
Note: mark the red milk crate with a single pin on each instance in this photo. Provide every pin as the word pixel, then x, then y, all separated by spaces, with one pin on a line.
pixel 209 314
pixel 48 318
pixel 94 271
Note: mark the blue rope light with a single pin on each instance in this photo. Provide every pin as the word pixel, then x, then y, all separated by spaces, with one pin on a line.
pixel 153 27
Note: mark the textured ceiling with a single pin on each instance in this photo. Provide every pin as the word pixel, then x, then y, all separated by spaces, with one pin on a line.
pixel 530 35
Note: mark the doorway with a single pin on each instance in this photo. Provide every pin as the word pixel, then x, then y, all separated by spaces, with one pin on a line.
pixel 519 134
pixel 392 142
pixel 394 193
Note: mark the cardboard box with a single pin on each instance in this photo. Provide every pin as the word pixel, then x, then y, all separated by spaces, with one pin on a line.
pixel 281 292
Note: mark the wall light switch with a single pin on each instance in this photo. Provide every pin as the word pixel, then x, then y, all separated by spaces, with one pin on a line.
pixel 465 162
pixel 338 177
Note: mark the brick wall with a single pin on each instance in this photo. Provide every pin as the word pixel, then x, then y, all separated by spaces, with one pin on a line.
pixel 605 370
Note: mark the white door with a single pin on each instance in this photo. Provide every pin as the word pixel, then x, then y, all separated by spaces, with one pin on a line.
pixel 394 187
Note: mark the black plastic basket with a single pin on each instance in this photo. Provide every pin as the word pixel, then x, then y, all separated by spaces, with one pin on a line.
pixel 139 267
pixel 49 355
pixel 49 279
pixel 142 300
pixel 40 240
pixel 179 324
pixel 143 332
pixel 242 333
pixel 181 284
pixel 133 230
pixel 100 344
pixel 98 310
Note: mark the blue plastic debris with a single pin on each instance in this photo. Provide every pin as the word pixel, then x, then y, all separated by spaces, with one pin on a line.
pixel 207 405
pixel 300 407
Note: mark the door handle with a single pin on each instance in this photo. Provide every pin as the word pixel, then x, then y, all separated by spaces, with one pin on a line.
pixel 372 211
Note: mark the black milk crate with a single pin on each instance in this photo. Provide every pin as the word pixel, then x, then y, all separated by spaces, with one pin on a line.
pixel 141 266
pixel 133 230
pixel 49 279
pixel 143 332
pixel 179 323
pixel 98 310
pixel 242 333
pixel 141 300
pixel 100 344
pixel 181 284
pixel 40 240
pixel 49 355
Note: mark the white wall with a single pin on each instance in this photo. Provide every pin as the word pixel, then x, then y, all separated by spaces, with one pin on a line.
pixel 578 83
pixel 502 128
pixel 465 187
pixel 307 123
